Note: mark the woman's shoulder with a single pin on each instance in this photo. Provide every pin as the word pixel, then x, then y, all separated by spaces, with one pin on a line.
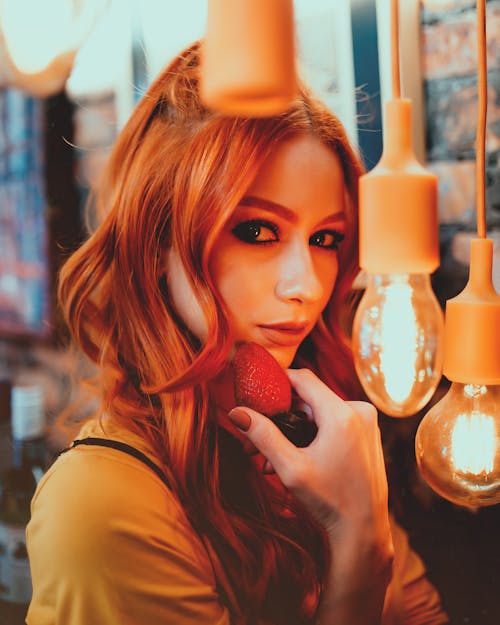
pixel 100 514
pixel 106 482
pixel 95 496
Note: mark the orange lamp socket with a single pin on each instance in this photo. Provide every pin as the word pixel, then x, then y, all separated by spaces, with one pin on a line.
pixel 398 204
pixel 472 324
pixel 248 57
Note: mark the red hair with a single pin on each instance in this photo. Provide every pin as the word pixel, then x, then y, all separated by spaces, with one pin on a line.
pixel 176 173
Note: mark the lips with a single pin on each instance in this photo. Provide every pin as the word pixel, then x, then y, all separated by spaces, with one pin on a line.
pixel 285 334
pixel 289 327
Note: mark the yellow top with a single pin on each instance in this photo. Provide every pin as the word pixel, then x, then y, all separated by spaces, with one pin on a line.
pixel 109 543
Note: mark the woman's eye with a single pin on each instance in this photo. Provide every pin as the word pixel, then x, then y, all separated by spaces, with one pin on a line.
pixel 327 239
pixel 256 232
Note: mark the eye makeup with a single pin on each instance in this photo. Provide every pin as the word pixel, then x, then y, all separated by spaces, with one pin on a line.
pixel 262 231
pixel 327 239
pixel 250 224
pixel 256 231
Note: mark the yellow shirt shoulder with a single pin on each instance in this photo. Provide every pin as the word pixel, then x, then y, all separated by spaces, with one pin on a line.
pixel 109 543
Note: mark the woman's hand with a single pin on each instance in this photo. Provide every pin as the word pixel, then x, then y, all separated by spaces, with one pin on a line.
pixel 340 478
pixel 341 474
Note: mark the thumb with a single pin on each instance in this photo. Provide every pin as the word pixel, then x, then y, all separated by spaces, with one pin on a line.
pixel 262 432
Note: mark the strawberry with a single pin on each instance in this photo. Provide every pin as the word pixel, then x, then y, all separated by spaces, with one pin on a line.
pixel 259 381
pixel 261 384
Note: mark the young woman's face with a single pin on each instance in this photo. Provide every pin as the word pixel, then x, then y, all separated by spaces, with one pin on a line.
pixel 275 262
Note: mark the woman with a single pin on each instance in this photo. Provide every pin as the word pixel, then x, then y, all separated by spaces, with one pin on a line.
pixel 217 231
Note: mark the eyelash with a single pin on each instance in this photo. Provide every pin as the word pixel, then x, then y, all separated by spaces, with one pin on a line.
pixel 246 231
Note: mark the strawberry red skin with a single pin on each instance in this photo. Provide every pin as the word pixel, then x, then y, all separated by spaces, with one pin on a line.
pixel 259 381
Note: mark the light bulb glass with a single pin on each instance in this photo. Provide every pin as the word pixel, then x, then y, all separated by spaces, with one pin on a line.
pixel 397 342
pixel 457 445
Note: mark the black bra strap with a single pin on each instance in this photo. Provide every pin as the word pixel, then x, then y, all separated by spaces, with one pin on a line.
pixel 132 451
pixel 128 449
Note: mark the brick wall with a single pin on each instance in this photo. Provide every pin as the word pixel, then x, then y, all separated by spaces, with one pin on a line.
pixel 449 63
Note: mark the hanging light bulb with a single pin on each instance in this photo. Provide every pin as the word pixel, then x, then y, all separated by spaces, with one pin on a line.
pixel 397 342
pixel 457 444
pixel 248 57
pixel 398 325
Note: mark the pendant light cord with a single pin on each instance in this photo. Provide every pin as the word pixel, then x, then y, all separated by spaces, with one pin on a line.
pixel 482 102
pixel 396 78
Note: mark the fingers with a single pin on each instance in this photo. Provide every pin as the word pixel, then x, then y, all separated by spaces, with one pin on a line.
pixel 249 448
pixel 369 414
pixel 261 431
pixel 316 394
pixel 300 405
pixel 343 425
pixel 347 444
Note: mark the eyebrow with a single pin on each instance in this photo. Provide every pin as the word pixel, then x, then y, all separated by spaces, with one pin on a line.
pixel 284 211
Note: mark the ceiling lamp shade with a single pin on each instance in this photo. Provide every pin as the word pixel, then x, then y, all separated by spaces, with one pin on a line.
pixel 39 41
pixel 248 57
pixel 40 84
pixel 398 204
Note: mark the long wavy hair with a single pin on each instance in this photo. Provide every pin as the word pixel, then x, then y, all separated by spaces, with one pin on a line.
pixel 175 175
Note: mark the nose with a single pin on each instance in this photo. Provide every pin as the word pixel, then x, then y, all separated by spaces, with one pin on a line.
pixel 298 279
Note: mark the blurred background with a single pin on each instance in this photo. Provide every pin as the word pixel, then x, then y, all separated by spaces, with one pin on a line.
pixel 58 123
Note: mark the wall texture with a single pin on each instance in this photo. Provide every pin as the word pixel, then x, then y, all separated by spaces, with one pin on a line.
pixel 449 65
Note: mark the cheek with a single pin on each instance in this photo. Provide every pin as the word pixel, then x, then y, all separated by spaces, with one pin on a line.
pixel 327 272
pixel 241 283
pixel 183 297
pixel 239 288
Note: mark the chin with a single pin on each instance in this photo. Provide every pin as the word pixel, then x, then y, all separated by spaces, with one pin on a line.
pixel 284 355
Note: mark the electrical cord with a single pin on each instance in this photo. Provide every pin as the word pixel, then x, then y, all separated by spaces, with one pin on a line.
pixel 482 103
pixel 395 68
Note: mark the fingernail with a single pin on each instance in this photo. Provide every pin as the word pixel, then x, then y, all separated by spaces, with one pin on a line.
pixel 240 419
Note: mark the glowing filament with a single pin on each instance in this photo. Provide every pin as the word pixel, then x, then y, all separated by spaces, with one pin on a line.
pixel 398 341
pixel 473 443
